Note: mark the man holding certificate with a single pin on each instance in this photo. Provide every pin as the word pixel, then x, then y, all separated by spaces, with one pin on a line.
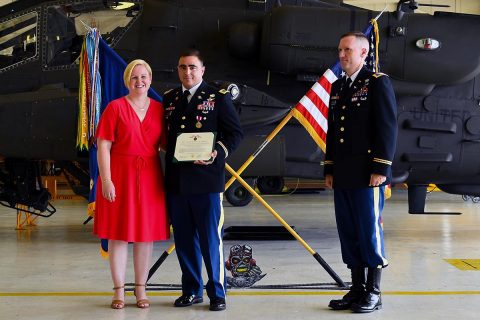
pixel 203 128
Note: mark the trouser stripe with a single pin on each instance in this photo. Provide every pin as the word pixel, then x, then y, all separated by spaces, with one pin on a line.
pixel 221 267
pixel 378 237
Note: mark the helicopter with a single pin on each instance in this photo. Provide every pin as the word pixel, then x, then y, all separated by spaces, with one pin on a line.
pixel 267 54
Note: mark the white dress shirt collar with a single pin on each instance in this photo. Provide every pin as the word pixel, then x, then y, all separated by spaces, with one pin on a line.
pixel 192 90
pixel 355 74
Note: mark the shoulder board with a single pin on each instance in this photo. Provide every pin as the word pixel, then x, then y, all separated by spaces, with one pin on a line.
pixel 167 91
pixel 379 74
pixel 223 91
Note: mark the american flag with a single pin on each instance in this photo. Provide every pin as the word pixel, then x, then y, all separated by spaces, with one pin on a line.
pixel 372 62
pixel 312 110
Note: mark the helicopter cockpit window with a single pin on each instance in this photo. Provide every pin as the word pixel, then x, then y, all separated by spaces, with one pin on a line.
pixel 18 39
pixel 68 24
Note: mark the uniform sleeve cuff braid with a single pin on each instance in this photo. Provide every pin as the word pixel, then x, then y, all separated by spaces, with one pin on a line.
pixel 383 161
pixel 224 148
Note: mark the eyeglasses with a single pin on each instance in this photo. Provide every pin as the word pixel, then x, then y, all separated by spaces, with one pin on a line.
pixel 190 67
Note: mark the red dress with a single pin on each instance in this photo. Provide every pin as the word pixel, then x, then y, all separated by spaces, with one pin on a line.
pixel 138 213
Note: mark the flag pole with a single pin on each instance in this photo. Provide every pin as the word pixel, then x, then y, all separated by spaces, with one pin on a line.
pixel 261 147
pixel 287 226
pixel 160 260
pixel 235 175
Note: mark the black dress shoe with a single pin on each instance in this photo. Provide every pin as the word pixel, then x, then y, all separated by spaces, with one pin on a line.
pixel 187 300
pixel 370 302
pixel 347 301
pixel 217 304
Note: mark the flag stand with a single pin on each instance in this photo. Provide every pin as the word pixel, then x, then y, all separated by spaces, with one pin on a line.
pixel 317 256
pixel 236 176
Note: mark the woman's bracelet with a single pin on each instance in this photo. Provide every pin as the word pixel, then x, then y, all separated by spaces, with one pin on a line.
pixel 106 180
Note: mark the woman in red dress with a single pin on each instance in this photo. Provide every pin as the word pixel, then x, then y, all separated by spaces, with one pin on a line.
pixel 130 201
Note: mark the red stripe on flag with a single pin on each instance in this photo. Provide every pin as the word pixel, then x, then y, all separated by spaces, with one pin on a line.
pixel 318 102
pixel 307 119
pixel 325 83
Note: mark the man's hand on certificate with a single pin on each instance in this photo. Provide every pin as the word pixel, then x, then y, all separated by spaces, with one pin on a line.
pixel 214 155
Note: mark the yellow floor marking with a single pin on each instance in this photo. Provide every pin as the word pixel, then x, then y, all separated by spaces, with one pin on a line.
pixel 240 293
pixel 465 264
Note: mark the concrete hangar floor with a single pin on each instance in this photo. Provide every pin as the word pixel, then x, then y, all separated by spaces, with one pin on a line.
pixel 54 270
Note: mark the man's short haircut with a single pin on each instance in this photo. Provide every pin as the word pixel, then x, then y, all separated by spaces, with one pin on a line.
pixel 192 52
pixel 362 38
pixel 127 74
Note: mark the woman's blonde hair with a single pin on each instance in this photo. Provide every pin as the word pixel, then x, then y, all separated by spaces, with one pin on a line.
pixel 128 70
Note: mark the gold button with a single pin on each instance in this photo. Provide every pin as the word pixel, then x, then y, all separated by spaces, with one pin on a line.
pixel 342 118
pixel 369 151
pixel 183 118
pixel 342 129
pixel 341 140
pixel 182 126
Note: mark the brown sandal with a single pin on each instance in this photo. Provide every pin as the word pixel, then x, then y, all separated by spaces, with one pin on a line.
pixel 142 303
pixel 117 303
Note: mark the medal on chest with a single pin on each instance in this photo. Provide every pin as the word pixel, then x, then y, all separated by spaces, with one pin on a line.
pixel 207 105
pixel 360 94
pixel 198 124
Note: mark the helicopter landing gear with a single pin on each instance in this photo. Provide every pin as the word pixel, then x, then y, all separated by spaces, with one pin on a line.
pixel 270 185
pixel 237 195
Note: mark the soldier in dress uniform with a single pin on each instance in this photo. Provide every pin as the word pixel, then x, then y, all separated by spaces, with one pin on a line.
pixel 194 189
pixel 361 140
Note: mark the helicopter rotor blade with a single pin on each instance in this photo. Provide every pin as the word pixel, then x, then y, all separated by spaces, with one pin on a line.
pixel 434 5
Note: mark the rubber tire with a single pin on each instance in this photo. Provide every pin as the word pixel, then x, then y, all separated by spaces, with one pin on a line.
pixel 237 195
pixel 270 185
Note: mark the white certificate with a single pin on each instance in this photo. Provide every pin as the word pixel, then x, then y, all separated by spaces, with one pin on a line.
pixel 193 146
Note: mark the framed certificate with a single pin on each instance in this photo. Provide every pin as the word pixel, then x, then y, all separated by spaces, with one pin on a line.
pixel 193 146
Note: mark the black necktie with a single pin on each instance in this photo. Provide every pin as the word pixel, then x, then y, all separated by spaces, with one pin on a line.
pixel 346 84
pixel 185 95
